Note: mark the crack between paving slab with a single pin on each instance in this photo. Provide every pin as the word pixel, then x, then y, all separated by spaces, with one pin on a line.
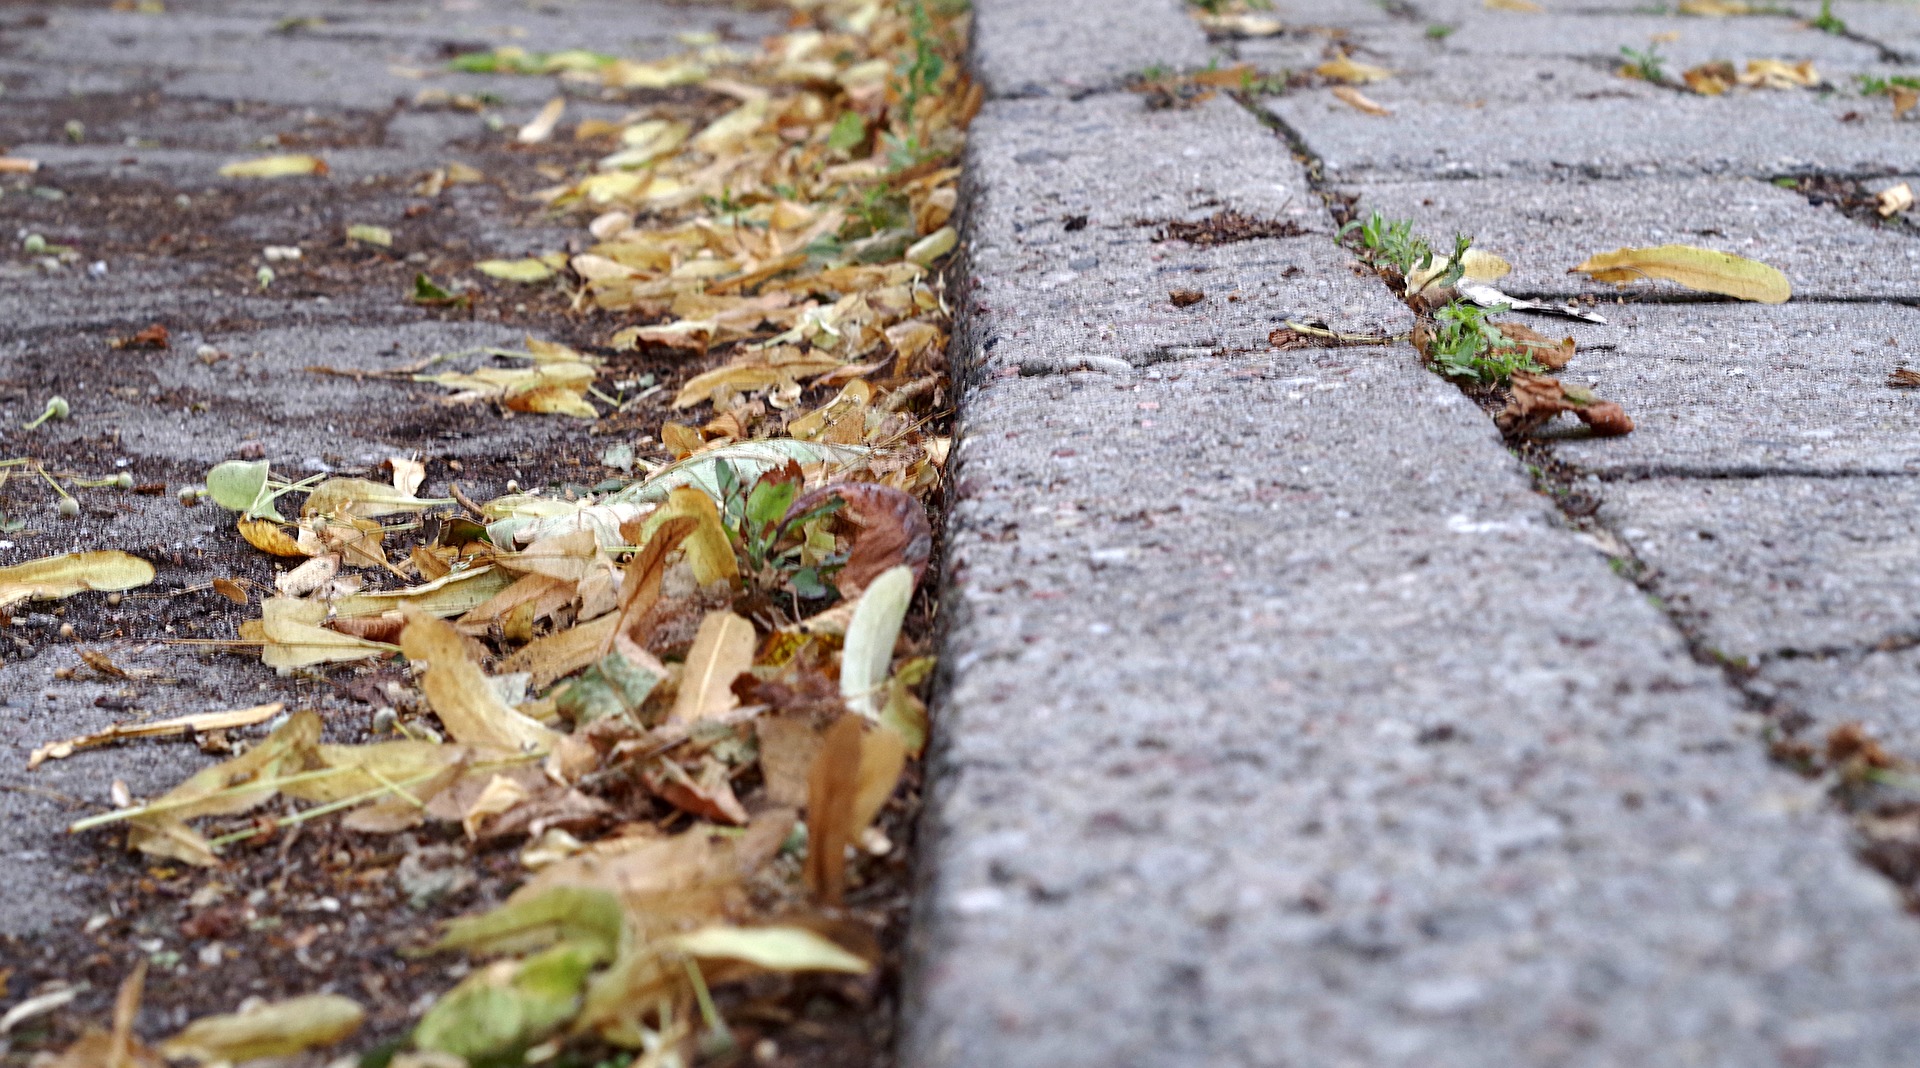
pixel 1738 473
pixel 1849 768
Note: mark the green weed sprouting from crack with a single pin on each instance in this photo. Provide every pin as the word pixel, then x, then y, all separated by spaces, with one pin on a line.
pixel 1875 85
pixel 1463 342
pixel 1466 344
pixel 1827 21
pixel 1648 65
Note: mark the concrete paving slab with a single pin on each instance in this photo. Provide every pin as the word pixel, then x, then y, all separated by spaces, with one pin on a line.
pixel 1746 389
pixel 179 246
pixel 1619 129
pixel 1074 47
pixel 1585 33
pixel 1380 769
pixel 1893 24
pixel 1767 566
pixel 1546 227
pixel 1878 690
pixel 1066 234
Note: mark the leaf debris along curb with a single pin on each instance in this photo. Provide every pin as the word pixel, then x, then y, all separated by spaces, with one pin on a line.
pixel 796 242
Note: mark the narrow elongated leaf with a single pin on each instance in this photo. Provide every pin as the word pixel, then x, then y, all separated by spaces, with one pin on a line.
pixel 776 949
pixel 870 637
pixel 1695 268
pixel 277 1030
pixel 54 577
pixel 287 166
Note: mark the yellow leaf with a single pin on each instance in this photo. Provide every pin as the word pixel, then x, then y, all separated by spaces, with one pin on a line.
pixel 280 1029
pixel 1894 199
pixel 1527 6
pixel 1695 268
pixel 275 167
pixel 1346 70
pixel 722 650
pixel 460 694
pixel 292 636
pixel 159 728
pixel 708 550
pixel 1359 100
pixel 364 498
pixel 370 235
pixel 54 577
pixel 542 125
pixel 1779 74
pixel 730 131
pixel 527 270
pixel 266 536
pixel 1476 266
pixel 1715 8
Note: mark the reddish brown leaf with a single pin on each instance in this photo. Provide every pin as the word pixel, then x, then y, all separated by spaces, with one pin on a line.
pixel 153 337
pixel 893 531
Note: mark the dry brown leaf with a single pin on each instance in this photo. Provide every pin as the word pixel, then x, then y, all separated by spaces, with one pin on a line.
pixel 1538 398
pixel 833 791
pixel 461 695
pixel 1551 354
pixel 789 744
pixel 1344 69
pixel 722 651
pixel 853 774
pixel 160 728
pixel 1360 100
pixel 893 530
pixel 709 795
pixel 1779 74
pixel 1711 79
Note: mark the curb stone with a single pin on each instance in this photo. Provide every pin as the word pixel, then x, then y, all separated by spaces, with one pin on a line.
pixel 1284 724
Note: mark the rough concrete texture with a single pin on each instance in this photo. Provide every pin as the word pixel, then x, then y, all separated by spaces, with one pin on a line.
pixel 1075 249
pixel 1038 47
pixel 1284 724
pixel 160 238
pixel 1600 137
pixel 1781 565
pixel 1544 228
pixel 1878 690
pixel 1743 389
pixel 1313 739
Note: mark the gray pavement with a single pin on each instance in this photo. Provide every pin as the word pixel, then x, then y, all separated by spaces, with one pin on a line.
pixel 1283 720
pixel 163 101
pixel 1285 723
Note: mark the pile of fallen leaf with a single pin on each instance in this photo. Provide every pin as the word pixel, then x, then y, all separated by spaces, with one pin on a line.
pixel 685 699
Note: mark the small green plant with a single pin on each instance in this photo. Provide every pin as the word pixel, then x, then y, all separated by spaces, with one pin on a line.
pixel 1648 65
pixel 1391 242
pixel 1440 31
pixel 1875 85
pixel 756 519
pixel 1465 344
pixel 1827 22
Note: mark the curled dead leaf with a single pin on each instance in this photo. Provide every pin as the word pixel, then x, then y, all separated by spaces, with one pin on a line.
pixel 1537 398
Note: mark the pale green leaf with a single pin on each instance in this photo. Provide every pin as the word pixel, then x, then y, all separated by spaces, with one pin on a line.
pixel 870 636
pixel 776 949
